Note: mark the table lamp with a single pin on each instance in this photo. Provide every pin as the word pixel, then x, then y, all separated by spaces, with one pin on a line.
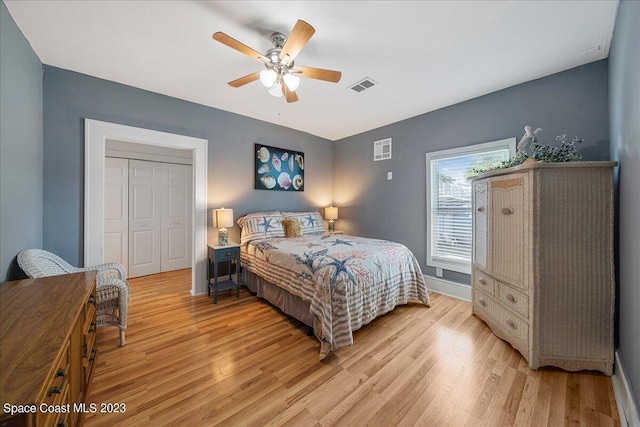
pixel 331 213
pixel 223 218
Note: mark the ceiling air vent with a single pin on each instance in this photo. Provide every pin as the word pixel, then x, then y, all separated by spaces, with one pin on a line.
pixel 363 84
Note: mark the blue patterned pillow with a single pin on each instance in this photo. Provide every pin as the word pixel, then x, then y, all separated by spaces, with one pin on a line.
pixel 260 226
pixel 311 222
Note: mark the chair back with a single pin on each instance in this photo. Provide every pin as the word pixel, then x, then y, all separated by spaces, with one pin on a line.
pixel 40 263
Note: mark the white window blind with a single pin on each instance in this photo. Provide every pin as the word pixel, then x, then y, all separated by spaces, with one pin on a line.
pixel 449 201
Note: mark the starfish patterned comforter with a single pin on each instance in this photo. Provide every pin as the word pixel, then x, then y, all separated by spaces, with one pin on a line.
pixel 347 280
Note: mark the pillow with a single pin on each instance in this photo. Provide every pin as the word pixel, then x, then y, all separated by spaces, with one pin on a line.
pixel 311 222
pixel 260 226
pixel 291 227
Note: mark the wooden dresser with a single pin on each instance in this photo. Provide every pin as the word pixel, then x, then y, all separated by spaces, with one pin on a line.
pixel 543 276
pixel 47 349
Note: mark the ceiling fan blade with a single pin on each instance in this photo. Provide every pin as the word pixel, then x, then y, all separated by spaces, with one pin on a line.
pixel 318 73
pixel 299 37
pixel 289 95
pixel 240 47
pixel 246 79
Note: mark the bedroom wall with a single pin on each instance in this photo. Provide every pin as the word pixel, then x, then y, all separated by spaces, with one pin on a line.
pixel 70 97
pixel 20 145
pixel 572 102
pixel 624 98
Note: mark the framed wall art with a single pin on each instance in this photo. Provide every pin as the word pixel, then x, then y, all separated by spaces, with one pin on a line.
pixel 279 169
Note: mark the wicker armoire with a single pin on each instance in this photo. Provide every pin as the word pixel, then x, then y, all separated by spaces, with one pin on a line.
pixel 543 276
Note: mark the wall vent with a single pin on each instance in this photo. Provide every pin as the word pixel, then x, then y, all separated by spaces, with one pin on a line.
pixel 382 149
pixel 366 83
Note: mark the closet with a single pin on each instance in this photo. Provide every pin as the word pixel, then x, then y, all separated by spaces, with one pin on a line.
pixel 147 215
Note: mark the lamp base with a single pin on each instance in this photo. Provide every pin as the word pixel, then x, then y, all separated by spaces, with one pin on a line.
pixel 223 237
pixel 332 226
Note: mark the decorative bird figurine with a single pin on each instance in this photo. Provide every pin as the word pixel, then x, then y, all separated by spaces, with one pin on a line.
pixel 527 139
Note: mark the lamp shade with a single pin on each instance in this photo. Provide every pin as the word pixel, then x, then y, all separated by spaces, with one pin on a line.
pixel 223 218
pixel 291 81
pixel 276 90
pixel 331 212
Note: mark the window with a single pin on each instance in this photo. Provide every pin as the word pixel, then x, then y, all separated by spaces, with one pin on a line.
pixel 449 200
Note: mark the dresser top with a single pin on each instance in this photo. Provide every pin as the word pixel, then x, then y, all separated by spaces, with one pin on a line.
pixel 544 165
pixel 36 319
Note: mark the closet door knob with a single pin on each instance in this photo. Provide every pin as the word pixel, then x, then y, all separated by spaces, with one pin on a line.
pixel 480 208
pixel 143 225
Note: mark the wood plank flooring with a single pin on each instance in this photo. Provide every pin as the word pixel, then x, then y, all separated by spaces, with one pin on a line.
pixel 188 362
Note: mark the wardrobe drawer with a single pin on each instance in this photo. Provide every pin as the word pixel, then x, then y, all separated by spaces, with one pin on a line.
pixel 483 282
pixel 517 300
pixel 510 324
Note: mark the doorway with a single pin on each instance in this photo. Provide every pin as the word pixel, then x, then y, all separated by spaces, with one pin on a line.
pixel 96 134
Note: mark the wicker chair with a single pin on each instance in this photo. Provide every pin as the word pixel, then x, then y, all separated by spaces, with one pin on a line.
pixel 111 284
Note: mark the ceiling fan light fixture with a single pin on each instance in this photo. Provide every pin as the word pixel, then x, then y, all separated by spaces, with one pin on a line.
pixel 268 77
pixel 291 81
pixel 276 90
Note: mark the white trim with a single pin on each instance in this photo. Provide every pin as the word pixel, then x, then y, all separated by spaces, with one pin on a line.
pixel 95 135
pixel 450 289
pixel 624 398
pixel 459 266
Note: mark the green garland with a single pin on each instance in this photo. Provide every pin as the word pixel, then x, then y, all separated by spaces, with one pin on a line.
pixel 565 152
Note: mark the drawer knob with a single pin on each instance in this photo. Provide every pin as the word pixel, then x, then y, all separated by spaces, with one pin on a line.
pixel 482 302
pixel 482 281
pixel 511 298
pixel 507 211
pixel 480 208
pixel 511 324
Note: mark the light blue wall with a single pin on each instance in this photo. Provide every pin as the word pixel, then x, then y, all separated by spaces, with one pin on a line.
pixel 70 97
pixel 624 107
pixel 572 102
pixel 20 145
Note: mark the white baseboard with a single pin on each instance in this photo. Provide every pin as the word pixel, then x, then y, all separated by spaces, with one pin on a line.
pixel 624 398
pixel 451 289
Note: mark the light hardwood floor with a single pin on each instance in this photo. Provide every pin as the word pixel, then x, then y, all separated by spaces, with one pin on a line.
pixel 188 362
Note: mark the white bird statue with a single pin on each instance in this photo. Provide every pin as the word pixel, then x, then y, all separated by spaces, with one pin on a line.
pixel 527 139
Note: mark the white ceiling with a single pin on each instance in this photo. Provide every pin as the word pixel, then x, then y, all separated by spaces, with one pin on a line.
pixel 423 55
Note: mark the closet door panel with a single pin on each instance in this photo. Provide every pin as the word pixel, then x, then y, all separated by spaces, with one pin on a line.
pixel 116 211
pixel 144 217
pixel 176 218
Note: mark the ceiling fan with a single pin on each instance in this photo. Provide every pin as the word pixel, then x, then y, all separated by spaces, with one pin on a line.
pixel 281 75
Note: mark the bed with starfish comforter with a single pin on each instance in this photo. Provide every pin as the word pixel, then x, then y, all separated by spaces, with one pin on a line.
pixel 347 280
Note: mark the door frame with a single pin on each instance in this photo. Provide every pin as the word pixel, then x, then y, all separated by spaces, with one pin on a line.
pixel 96 134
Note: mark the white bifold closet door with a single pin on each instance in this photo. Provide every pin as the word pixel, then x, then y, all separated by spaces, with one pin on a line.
pixel 116 210
pixel 159 217
pixel 175 236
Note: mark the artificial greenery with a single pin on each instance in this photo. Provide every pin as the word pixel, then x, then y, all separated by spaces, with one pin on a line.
pixel 530 148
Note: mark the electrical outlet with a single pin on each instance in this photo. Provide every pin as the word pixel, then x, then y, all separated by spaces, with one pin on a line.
pixel 438 272
pixel 389 176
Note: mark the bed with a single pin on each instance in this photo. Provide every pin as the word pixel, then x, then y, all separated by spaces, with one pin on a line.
pixel 334 283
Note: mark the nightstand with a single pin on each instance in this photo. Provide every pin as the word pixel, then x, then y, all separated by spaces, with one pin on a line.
pixel 219 254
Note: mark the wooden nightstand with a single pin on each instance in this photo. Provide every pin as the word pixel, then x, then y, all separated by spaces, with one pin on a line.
pixel 218 254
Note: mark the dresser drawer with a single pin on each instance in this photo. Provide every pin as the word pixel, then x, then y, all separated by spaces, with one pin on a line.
pixel 56 390
pixel 227 254
pixel 517 300
pixel 483 282
pixel 507 321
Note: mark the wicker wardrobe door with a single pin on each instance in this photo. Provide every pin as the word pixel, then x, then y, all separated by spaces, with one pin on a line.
pixel 508 228
pixel 480 224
